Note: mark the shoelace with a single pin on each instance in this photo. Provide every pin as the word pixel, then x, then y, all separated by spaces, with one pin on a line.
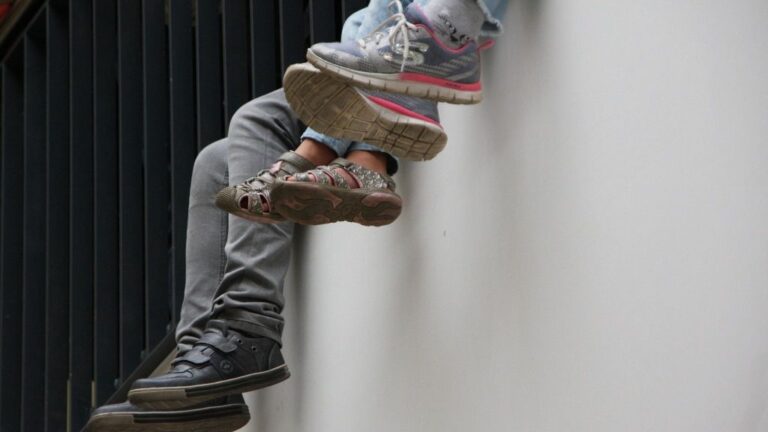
pixel 400 27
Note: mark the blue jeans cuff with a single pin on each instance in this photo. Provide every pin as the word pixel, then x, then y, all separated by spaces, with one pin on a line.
pixel 340 147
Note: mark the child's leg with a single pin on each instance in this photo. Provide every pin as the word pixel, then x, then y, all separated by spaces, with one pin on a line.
pixel 320 154
pixel 315 152
pixel 373 160
pixel 320 149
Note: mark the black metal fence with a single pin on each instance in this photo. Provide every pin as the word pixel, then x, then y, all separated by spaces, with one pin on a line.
pixel 103 107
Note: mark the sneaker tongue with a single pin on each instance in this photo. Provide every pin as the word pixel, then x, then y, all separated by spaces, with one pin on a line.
pixel 415 15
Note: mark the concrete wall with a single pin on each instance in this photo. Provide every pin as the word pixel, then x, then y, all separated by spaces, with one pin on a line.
pixel 590 253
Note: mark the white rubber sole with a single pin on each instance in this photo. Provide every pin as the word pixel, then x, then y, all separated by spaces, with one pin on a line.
pixel 337 109
pixel 393 83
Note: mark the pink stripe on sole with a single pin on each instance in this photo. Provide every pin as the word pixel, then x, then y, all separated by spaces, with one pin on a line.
pixel 410 76
pixel 399 109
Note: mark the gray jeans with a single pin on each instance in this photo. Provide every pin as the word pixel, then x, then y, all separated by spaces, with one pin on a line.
pixel 236 268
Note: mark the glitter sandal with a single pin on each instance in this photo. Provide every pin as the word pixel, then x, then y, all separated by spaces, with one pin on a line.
pixel 339 191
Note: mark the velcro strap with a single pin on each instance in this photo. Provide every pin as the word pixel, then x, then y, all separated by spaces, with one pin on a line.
pixel 217 341
pixel 299 163
pixel 195 357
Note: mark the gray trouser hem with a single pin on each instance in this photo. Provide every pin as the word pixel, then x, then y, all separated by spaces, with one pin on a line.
pixel 254 328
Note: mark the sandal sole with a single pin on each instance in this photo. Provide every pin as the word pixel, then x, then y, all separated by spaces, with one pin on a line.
pixel 393 83
pixel 317 204
pixel 212 419
pixel 169 398
pixel 337 109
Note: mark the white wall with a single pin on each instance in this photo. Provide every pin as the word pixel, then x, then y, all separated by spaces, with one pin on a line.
pixel 590 253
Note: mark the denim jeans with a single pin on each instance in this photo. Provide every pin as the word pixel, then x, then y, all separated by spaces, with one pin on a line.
pixel 362 23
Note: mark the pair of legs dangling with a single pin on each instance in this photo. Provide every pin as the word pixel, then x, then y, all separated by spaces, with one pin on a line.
pixel 229 336
pixel 379 87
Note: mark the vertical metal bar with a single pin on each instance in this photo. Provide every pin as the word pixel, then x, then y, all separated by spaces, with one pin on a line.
pixel 265 52
pixel 81 212
pixel 105 212
pixel 1 232
pixel 182 135
pixel 11 232
pixel 292 37
pixel 351 6
pixel 35 206
pixel 208 32
pixel 157 187
pixel 57 284
pixel 322 14
pixel 340 17
pixel 236 65
pixel 131 186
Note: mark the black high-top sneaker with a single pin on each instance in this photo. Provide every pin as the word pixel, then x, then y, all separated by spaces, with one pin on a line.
pixel 222 362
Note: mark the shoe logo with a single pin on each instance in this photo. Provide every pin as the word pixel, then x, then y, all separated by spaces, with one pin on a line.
pixel 226 366
pixel 416 53
pixel 452 31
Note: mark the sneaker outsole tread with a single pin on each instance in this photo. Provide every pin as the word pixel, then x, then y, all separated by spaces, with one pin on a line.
pixel 335 108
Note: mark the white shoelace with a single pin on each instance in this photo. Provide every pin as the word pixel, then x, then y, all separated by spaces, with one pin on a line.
pixel 400 27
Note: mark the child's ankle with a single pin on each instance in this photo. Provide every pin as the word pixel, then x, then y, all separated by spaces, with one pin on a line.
pixel 376 161
pixel 315 152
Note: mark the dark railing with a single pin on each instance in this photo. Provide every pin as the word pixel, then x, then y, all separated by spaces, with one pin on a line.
pixel 103 107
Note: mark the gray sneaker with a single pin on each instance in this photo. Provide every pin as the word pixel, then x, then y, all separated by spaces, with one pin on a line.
pixel 404 126
pixel 405 56
pixel 250 199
